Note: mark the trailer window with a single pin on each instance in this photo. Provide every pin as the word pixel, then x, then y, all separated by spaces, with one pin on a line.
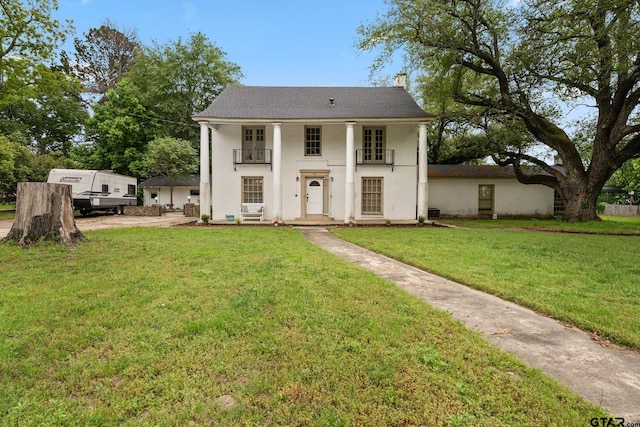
pixel 132 189
pixel 105 188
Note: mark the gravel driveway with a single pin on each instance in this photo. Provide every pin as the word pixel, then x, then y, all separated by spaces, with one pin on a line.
pixel 101 221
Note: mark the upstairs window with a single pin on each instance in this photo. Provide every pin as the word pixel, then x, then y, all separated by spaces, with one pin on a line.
pixel 312 141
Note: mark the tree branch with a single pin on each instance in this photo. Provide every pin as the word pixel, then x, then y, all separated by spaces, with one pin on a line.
pixel 629 151
pixel 515 159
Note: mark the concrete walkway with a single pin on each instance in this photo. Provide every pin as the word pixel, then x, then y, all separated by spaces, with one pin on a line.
pixel 605 375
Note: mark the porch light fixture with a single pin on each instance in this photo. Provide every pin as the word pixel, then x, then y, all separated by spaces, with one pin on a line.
pixel 297 178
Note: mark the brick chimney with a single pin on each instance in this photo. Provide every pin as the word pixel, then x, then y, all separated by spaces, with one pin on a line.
pixel 400 80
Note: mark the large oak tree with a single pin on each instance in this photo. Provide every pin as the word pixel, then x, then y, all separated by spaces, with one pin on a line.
pixel 533 58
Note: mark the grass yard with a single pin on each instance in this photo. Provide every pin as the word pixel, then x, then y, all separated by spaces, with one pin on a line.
pixel 243 326
pixel 592 281
pixel 608 225
pixel 7 215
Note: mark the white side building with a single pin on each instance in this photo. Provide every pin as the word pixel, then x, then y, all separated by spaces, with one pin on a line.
pixel 186 189
pixel 484 190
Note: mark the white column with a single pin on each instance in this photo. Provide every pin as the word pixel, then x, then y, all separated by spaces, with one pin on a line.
pixel 212 138
pixel 277 171
pixel 349 185
pixel 423 185
pixel 205 184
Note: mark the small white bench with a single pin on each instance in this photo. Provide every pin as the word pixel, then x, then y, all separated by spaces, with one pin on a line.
pixel 252 212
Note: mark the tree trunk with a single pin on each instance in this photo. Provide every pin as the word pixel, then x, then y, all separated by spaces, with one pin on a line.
pixel 580 205
pixel 44 212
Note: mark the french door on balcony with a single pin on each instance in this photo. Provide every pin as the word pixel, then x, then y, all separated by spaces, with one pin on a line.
pixel 373 145
pixel 253 147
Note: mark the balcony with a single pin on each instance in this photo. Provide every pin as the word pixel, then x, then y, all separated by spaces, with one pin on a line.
pixel 375 156
pixel 251 157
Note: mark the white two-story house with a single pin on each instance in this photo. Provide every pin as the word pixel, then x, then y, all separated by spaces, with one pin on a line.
pixel 340 153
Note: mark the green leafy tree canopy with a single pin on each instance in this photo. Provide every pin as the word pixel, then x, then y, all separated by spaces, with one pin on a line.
pixel 40 101
pixel 28 36
pixel 181 78
pixel 120 129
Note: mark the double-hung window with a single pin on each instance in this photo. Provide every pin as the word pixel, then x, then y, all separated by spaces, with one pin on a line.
pixel 252 189
pixel 485 199
pixel 372 196
pixel 312 141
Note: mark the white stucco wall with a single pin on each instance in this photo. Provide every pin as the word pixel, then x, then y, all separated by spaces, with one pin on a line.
pixel 180 196
pixel 459 197
pixel 399 185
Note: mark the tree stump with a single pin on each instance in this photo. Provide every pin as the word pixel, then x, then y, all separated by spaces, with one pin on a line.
pixel 44 212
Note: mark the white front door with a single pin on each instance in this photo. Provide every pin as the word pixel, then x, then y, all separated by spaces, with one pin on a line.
pixel 314 197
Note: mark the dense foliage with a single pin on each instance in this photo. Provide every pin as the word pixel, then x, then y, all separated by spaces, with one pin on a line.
pixel 99 106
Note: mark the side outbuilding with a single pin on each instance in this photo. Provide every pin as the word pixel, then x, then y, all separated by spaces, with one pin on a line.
pixel 486 190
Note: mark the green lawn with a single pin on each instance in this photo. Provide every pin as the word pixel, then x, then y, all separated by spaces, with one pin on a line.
pixel 592 281
pixel 608 225
pixel 7 215
pixel 165 326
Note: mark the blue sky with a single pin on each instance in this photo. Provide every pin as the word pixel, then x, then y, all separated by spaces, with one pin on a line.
pixel 276 43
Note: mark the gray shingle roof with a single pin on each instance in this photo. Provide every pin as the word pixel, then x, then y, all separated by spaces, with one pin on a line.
pixel 290 103
pixel 181 181
pixel 470 171
pixel 478 171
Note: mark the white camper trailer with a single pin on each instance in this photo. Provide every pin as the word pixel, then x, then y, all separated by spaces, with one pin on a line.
pixel 97 190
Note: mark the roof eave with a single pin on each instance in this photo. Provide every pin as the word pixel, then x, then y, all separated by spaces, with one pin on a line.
pixel 228 120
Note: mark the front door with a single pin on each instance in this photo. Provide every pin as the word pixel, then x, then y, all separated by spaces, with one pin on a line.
pixel 314 196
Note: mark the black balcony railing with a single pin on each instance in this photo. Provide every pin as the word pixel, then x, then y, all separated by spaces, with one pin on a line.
pixel 375 156
pixel 241 157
